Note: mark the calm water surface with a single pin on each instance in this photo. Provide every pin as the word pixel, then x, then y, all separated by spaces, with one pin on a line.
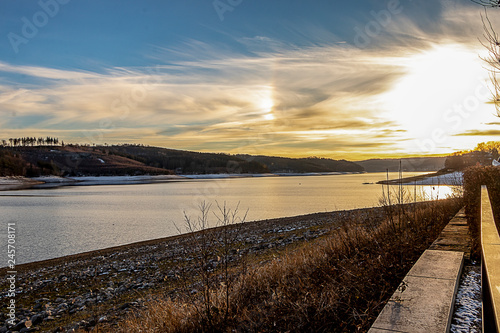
pixel 67 220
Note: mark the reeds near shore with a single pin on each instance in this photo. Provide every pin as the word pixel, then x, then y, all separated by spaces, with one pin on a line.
pixel 337 283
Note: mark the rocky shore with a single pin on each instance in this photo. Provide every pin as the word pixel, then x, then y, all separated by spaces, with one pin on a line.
pixel 95 289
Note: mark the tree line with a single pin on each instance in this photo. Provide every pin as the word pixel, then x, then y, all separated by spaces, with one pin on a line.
pixel 482 154
pixel 31 141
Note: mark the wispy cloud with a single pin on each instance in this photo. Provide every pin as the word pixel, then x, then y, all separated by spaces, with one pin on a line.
pixel 274 98
pixel 480 133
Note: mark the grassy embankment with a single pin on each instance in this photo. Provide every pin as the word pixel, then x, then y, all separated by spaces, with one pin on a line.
pixel 337 283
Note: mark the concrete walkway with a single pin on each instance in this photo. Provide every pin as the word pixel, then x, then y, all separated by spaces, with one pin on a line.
pixel 424 300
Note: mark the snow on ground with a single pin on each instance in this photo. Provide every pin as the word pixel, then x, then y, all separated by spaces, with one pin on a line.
pixel 117 180
pixel 110 178
pixel 16 183
pixel 467 315
pixel 53 179
pixel 12 180
pixel 228 175
pixel 454 178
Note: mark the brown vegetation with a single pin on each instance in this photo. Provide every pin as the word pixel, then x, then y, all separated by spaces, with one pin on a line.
pixel 128 159
pixel 69 160
pixel 474 177
pixel 11 164
pixel 337 283
pixel 482 154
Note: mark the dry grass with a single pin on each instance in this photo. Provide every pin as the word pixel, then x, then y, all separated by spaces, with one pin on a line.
pixel 163 316
pixel 337 283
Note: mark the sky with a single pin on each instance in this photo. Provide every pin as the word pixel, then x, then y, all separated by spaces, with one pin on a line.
pixel 337 79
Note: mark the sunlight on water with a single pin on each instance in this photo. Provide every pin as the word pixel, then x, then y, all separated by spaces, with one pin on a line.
pixel 438 192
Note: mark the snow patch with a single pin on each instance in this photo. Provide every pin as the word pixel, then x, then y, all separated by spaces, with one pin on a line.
pixel 53 179
pixel 467 316
pixel 12 180
pixel 15 183
pixel 453 179
pixel 122 180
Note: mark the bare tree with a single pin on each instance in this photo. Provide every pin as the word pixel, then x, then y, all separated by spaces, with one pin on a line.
pixel 492 43
pixel 487 3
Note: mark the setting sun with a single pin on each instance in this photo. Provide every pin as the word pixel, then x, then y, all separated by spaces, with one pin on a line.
pixel 442 89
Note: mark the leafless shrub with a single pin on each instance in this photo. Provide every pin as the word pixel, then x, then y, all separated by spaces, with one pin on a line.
pixel 209 282
pixel 337 283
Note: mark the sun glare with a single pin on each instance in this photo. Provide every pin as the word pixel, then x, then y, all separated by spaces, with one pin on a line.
pixel 269 116
pixel 435 82
pixel 436 192
pixel 265 104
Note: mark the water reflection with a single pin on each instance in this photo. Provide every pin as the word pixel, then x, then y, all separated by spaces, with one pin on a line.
pixel 62 221
pixel 431 192
pixel 439 192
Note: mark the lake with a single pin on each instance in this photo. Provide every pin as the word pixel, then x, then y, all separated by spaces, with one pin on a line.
pixel 66 220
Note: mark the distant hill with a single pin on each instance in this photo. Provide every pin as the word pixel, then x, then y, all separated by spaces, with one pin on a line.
pixel 408 164
pixel 187 162
pixel 73 160
pixel 192 162
pixel 11 164
pixel 301 165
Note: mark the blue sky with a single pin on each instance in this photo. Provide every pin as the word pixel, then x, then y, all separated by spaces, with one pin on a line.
pixel 346 79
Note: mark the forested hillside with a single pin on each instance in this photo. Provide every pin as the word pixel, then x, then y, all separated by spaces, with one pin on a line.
pixel 407 164
pixel 193 162
pixel 23 158
pixel 301 165
pixel 11 164
pixel 68 161
pixel 187 162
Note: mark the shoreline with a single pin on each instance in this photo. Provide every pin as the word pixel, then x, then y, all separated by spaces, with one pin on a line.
pixel 22 183
pixel 102 286
pixel 153 242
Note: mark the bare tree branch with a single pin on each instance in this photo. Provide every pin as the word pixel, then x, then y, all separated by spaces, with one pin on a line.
pixel 487 3
pixel 491 41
